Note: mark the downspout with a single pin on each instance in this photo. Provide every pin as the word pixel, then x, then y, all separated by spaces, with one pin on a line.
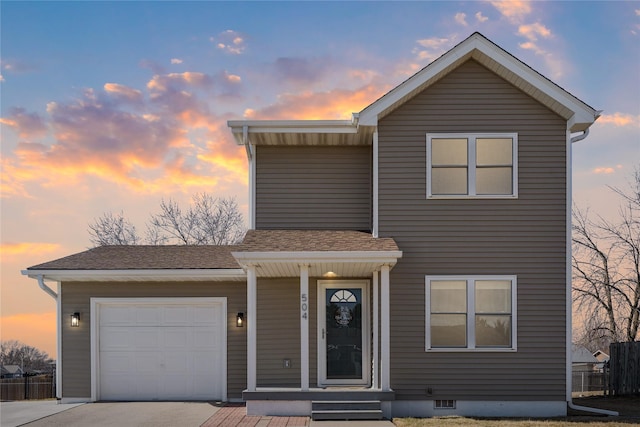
pixel 45 288
pixel 252 174
pixel 580 137
pixel 570 404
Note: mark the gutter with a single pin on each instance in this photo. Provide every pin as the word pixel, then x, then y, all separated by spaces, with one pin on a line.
pixel 40 279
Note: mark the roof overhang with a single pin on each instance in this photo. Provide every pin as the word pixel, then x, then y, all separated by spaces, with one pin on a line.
pixel 147 275
pixel 300 132
pixel 578 114
pixel 328 264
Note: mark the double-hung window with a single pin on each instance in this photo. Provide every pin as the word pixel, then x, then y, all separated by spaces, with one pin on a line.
pixel 471 313
pixel 472 165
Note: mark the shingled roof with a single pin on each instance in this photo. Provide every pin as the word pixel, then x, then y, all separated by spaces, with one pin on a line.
pixel 146 258
pixel 314 241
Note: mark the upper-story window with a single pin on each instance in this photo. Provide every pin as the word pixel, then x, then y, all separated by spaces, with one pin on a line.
pixel 471 313
pixel 472 165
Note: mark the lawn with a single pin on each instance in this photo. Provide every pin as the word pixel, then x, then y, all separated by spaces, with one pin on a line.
pixel 628 407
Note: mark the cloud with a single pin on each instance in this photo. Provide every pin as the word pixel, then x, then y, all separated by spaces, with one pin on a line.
pixel 152 139
pixel 301 70
pixel 606 170
pixel 333 104
pixel 460 18
pixel 123 92
pixel 230 41
pixel 432 48
pixel 532 31
pixel 17 66
pixel 480 17
pixel 513 10
pixel 13 249
pixel 27 125
pixel 619 120
pixel 176 61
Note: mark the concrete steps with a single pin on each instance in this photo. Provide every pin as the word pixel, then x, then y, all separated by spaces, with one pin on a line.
pixel 346 410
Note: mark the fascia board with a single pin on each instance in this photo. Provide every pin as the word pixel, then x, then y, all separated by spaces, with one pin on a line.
pixel 124 275
pixel 474 45
pixel 318 256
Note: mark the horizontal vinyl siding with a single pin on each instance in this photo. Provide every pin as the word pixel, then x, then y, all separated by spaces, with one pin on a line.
pixel 279 332
pixel 313 187
pixel 76 342
pixel 523 237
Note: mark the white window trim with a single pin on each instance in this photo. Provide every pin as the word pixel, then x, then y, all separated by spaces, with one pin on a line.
pixel 471 315
pixel 471 181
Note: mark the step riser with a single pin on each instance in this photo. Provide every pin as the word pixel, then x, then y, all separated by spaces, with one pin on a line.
pixel 346 410
pixel 353 416
pixel 351 406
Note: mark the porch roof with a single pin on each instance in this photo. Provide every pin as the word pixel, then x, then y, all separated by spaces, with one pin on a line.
pixel 327 253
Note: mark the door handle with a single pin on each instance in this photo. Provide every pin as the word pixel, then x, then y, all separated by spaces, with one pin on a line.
pixel 322 333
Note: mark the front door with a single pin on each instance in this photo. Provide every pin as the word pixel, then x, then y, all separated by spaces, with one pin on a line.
pixel 343 332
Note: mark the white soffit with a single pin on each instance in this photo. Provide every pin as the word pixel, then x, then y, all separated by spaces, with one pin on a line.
pixel 157 275
pixel 579 114
pixel 341 264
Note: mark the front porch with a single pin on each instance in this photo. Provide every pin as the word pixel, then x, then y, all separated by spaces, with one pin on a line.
pixel 331 403
pixel 343 318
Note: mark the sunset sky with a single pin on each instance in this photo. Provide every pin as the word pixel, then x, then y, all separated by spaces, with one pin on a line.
pixel 112 106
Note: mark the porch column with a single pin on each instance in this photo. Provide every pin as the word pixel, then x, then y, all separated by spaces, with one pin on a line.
pixel 375 384
pixel 304 327
pixel 252 319
pixel 385 342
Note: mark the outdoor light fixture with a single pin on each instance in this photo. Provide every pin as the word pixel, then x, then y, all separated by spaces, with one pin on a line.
pixel 240 320
pixel 75 320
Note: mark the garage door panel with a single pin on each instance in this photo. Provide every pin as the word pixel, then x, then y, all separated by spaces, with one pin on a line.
pixel 178 357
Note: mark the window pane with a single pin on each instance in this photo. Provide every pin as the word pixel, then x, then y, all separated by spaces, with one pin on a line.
pixel 449 181
pixel 493 331
pixel 493 296
pixel 494 181
pixel 494 151
pixel 449 151
pixel 448 330
pixel 448 296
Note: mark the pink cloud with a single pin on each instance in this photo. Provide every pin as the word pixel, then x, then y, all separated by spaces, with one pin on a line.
pixel 123 92
pixel 333 104
pixel 461 18
pixel 230 41
pixel 165 141
pixel 27 125
pixel 432 48
pixel 513 10
pixel 619 120
pixel 532 31
pixel 606 170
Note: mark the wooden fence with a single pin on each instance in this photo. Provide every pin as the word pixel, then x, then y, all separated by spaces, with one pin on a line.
pixel 624 368
pixel 28 388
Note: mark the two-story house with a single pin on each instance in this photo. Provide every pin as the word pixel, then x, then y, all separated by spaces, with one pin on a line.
pixel 414 260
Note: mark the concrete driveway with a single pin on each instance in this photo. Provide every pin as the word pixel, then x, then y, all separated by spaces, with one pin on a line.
pixel 116 414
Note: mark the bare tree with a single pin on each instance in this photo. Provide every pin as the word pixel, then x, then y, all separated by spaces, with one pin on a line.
pixel 207 221
pixel 112 229
pixel 13 352
pixel 606 268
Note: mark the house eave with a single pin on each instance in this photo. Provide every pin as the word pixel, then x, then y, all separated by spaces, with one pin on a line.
pixel 325 264
pixel 139 275
pixel 300 132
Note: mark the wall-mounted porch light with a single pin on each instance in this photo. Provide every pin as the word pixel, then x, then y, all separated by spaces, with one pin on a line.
pixel 240 320
pixel 75 320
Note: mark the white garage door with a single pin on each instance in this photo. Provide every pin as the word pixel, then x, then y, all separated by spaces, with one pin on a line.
pixel 161 349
